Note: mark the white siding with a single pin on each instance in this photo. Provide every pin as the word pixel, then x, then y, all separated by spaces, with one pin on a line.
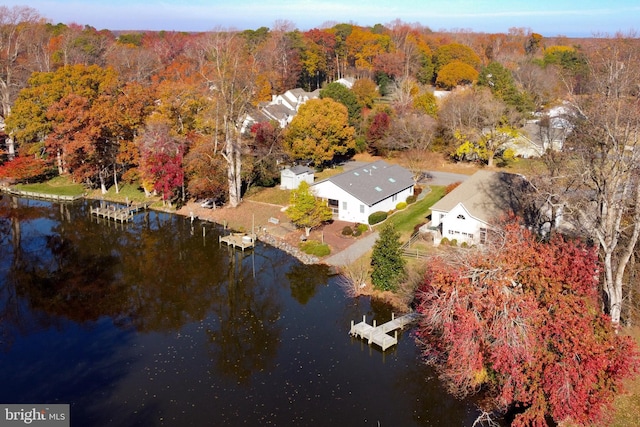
pixel 354 211
pixel 290 181
pixel 459 225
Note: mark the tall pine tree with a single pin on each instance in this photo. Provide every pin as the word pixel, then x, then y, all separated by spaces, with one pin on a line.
pixel 386 260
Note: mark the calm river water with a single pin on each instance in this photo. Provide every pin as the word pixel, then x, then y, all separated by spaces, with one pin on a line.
pixel 153 323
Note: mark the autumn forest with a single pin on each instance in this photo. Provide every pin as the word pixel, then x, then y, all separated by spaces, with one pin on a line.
pixel 174 114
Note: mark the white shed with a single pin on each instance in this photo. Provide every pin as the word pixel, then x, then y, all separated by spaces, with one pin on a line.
pixel 290 178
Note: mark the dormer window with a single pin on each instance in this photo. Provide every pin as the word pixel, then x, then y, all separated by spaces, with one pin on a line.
pixel 461 216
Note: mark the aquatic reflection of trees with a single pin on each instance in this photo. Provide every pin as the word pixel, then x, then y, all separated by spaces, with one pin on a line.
pixel 171 278
pixel 247 335
pixel 24 259
pixel 152 275
pixel 305 279
pixel 52 268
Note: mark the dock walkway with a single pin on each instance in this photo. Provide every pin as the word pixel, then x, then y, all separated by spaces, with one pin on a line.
pixel 42 196
pixel 379 335
pixel 116 213
pixel 238 240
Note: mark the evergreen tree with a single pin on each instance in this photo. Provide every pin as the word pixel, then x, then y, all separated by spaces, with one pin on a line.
pixel 386 260
pixel 338 92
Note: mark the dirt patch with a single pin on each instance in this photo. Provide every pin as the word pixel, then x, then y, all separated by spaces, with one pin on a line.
pixel 241 218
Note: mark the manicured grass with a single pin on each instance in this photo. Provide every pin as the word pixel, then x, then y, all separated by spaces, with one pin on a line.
pixel 273 195
pixel 276 196
pixel 128 192
pixel 328 172
pixel 59 185
pixel 405 221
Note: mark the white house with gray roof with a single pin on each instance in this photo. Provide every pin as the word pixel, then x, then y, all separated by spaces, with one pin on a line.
pixel 357 193
pixel 290 178
pixel 467 212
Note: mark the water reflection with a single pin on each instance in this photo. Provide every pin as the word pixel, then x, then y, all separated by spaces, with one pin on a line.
pixel 305 279
pixel 153 323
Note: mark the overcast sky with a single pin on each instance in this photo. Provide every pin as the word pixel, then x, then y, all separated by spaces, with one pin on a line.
pixel 547 17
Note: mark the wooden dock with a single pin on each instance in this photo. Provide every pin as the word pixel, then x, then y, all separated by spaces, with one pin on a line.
pixel 238 240
pixel 42 196
pixel 379 335
pixel 118 213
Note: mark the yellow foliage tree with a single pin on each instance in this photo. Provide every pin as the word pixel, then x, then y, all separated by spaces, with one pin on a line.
pixel 320 131
pixel 456 73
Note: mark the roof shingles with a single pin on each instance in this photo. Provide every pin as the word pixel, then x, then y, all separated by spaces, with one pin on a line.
pixel 373 182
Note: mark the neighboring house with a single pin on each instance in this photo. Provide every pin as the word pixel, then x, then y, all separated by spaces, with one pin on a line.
pixel 525 146
pixel 346 82
pixel 466 214
pixel 547 132
pixel 290 178
pixel 357 193
pixel 283 108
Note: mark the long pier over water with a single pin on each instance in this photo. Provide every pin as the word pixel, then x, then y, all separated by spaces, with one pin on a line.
pixel 379 335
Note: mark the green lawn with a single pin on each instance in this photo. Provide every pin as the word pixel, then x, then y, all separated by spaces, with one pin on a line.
pixel 406 220
pixel 273 195
pixel 60 185
pixel 128 192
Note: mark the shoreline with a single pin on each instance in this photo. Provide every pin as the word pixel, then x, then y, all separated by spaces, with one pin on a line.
pixel 189 209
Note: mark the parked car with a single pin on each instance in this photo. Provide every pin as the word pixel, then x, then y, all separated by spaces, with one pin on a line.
pixel 208 203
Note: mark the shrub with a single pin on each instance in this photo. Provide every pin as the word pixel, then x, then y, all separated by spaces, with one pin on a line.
pixel 464 245
pixel 417 190
pixel 449 188
pixel 411 199
pixel 444 241
pixel 357 233
pixel 454 242
pixel 347 231
pixel 362 228
pixel 313 247
pixel 377 217
pixel 401 205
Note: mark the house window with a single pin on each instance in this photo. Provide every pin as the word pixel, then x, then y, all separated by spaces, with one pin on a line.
pixel 344 206
pixel 483 235
pixel 333 204
pixel 461 216
pixel 394 198
pixel 361 209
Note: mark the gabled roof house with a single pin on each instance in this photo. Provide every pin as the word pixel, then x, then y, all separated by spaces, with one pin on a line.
pixel 283 108
pixel 467 212
pixel 355 194
pixel 290 178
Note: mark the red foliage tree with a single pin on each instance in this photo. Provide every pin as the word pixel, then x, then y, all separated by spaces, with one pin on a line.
pixel 378 129
pixel 25 168
pixel 521 320
pixel 161 158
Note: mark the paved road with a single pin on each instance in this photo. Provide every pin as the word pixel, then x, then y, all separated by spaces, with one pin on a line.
pixel 353 252
pixel 443 178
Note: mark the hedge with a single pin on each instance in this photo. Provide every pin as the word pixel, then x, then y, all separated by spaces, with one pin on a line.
pixel 313 247
pixel 377 217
